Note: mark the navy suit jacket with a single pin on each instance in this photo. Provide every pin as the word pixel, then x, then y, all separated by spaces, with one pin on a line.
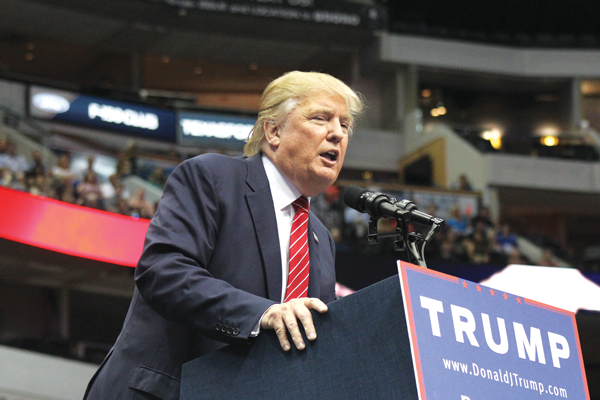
pixel 210 268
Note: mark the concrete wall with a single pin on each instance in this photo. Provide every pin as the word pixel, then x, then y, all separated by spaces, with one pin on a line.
pixel 542 173
pixel 25 375
pixel 451 54
pixel 13 95
pixel 374 149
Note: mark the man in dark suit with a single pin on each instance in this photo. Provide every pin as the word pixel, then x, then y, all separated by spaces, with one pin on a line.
pixel 215 264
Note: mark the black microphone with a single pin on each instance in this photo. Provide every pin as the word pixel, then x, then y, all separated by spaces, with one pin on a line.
pixel 382 205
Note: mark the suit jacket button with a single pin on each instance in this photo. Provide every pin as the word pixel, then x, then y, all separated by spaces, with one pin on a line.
pixel 229 330
pixel 236 332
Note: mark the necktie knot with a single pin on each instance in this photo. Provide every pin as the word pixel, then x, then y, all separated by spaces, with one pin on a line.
pixel 300 204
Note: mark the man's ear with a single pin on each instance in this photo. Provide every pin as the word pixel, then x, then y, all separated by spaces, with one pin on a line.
pixel 272 133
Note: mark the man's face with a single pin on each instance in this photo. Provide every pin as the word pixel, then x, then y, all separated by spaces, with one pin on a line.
pixel 310 145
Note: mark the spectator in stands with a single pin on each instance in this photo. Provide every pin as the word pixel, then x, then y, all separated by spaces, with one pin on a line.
pixel 122 207
pixel 480 243
pixel 14 161
pixel 39 185
pixel 485 216
pixel 36 167
pixel 19 181
pixel 158 177
pixel 458 222
pixel 90 168
pixel 355 227
pixel 328 208
pixel 62 179
pixel 140 206
pixel 130 155
pixel 118 202
pixel 478 247
pixel 3 150
pixel 463 183
pixel 451 248
pixel 62 169
pixel 547 258
pixel 6 177
pixel 506 240
pixel 123 170
pixel 67 193
pixel 515 257
pixel 89 192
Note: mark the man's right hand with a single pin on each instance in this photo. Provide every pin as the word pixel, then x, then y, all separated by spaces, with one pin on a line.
pixel 284 317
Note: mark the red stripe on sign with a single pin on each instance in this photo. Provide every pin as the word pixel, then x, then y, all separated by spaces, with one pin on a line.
pixel 71 229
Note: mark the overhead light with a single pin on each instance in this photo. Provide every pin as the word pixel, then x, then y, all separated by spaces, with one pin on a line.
pixel 253 66
pixel 548 131
pixel 435 112
pixel 367 175
pixel 549 140
pixel 494 136
pixel 491 134
pixel 426 93
pixel 198 70
pixel 441 110
pixel 29 56
pixel 496 143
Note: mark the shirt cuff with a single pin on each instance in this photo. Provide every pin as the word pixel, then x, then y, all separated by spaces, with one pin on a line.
pixel 256 329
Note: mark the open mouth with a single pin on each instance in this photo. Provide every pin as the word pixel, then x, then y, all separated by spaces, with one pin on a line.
pixel 330 155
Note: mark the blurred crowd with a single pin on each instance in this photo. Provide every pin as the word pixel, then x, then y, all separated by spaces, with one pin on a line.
pixel 475 240
pixel 467 240
pixel 85 188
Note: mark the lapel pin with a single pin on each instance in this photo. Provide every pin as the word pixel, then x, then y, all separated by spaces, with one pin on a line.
pixel 316 238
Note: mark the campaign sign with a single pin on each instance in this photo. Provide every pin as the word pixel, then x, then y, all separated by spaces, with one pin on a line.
pixel 471 342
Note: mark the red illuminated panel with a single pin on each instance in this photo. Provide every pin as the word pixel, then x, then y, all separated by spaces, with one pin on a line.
pixel 71 229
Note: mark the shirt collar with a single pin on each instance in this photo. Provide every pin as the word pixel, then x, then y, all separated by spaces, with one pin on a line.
pixel 282 189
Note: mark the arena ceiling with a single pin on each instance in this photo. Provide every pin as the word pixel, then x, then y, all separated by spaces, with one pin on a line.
pixel 187 56
pixel 551 23
pixel 126 45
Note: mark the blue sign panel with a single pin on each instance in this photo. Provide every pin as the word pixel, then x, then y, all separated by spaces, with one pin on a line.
pixel 471 342
pixel 105 114
pixel 208 129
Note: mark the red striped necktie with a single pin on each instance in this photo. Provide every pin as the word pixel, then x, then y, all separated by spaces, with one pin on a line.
pixel 299 260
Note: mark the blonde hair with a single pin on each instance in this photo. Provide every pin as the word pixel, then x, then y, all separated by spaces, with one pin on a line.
pixel 284 94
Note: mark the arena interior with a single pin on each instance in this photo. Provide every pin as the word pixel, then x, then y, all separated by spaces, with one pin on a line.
pixel 487 116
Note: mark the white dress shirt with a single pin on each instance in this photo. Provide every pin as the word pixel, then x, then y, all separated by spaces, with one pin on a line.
pixel 284 193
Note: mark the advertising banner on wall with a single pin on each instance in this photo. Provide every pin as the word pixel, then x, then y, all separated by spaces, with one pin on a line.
pixel 84 232
pixel 467 204
pixel 329 12
pixel 105 114
pixel 213 130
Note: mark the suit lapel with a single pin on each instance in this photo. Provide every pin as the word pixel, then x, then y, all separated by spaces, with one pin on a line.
pixel 260 203
pixel 314 278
